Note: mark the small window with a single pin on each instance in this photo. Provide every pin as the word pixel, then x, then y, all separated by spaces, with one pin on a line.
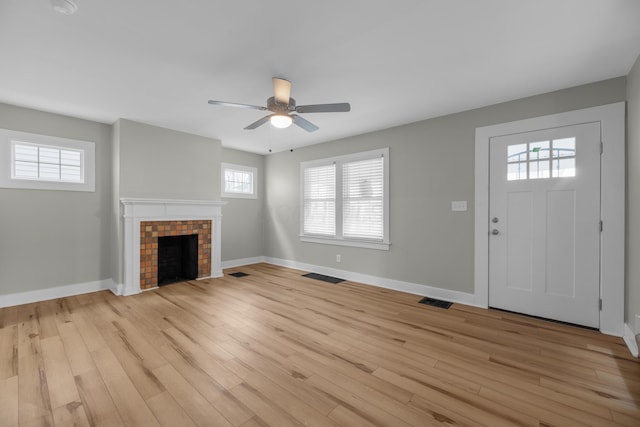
pixel 542 159
pixel 46 162
pixel 239 181
pixel 345 200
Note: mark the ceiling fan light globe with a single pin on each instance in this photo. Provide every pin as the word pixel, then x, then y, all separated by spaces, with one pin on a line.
pixel 281 121
pixel 66 7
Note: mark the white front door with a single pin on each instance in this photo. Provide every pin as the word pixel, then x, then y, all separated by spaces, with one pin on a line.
pixel 544 212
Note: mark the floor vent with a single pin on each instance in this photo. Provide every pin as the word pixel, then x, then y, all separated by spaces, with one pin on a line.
pixel 239 274
pixel 324 278
pixel 435 302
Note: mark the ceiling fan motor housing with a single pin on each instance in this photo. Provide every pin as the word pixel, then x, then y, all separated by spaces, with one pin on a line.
pixel 280 108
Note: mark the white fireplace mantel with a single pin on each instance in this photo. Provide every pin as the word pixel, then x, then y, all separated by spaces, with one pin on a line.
pixel 134 211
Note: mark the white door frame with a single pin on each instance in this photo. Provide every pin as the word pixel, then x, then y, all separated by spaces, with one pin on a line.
pixel 612 205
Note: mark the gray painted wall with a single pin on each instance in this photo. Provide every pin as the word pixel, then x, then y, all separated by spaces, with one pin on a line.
pixel 633 198
pixel 158 163
pixel 243 219
pixel 431 164
pixel 55 238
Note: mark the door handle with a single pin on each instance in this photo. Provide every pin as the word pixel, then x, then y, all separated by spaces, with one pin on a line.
pixel 495 232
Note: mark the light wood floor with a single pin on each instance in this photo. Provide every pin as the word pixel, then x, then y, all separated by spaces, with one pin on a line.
pixel 278 349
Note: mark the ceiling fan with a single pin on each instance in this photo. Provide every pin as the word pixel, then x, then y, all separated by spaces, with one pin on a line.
pixel 282 107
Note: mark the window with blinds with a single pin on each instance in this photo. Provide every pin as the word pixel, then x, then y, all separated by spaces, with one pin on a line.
pixel 345 200
pixel 362 199
pixel 39 162
pixel 319 200
pixel 239 181
pixel 46 162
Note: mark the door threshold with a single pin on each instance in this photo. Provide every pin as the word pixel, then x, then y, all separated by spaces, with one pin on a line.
pixel 547 319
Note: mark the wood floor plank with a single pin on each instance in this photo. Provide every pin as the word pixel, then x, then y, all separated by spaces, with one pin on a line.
pixel 544 414
pixel 8 316
pixel 280 372
pixel 200 357
pixel 362 406
pixel 33 390
pixel 9 351
pixel 80 359
pixel 131 406
pixel 198 408
pixel 97 402
pixel 263 407
pixel 62 387
pixel 197 378
pixel 345 417
pixel 45 315
pixel 233 409
pixel 468 405
pixel 436 414
pixel 71 414
pixel 88 331
pixel 168 412
pixel 532 392
pixel 9 401
pixel 289 402
pixel 277 349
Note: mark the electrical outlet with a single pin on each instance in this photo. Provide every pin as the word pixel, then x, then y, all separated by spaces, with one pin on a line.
pixel 338 258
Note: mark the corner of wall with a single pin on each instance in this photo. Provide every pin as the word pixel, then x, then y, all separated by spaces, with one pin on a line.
pixel 632 268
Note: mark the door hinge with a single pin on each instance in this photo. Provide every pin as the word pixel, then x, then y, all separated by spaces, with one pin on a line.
pixel 601 147
pixel 600 304
pixel 601 226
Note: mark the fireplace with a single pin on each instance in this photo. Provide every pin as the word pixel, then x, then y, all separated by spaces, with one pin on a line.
pixel 146 221
pixel 153 233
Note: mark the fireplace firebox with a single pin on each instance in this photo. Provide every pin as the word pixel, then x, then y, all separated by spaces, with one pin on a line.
pixel 177 258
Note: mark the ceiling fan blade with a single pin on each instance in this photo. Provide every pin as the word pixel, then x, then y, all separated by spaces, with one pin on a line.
pixel 235 104
pixel 304 123
pixel 342 107
pixel 259 123
pixel 282 90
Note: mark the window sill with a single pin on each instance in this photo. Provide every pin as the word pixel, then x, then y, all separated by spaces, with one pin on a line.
pixel 382 246
pixel 238 196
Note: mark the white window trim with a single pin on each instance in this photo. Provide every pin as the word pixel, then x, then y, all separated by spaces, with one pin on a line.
pixel 250 169
pixel 342 241
pixel 8 137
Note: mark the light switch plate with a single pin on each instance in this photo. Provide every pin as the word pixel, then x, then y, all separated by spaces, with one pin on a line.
pixel 459 206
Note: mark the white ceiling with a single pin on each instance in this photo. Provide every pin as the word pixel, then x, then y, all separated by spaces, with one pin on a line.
pixel 395 61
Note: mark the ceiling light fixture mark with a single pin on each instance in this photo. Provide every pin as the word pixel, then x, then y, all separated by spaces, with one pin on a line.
pixel 66 7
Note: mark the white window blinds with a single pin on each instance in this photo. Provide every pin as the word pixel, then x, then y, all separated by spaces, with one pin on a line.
pixel 362 199
pixel 345 200
pixel 239 181
pixel 236 181
pixel 37 162
pixel 320 200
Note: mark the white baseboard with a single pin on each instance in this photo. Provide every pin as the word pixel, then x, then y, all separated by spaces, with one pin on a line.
pixel 398 285
pixel 242 261
pixel 57 292
pixel 630 339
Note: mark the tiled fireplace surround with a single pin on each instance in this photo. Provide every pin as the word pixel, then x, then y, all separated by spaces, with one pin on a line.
pixel 147 219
